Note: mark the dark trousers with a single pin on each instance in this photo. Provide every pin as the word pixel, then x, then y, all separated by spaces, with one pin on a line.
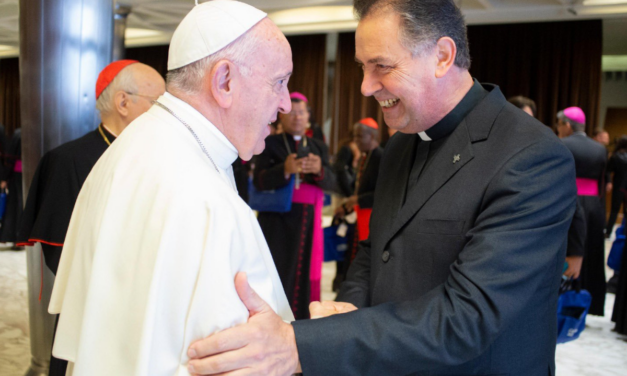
pixel 618 199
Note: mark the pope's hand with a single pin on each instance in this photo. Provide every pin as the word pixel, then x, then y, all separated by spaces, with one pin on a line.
pixel 265 345
pixel 329 308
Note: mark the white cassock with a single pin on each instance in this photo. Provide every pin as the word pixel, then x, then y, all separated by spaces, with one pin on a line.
pixel 156 238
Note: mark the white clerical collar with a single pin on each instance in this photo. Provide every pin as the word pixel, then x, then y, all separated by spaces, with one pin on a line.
pixel 216 143
pixel 424 136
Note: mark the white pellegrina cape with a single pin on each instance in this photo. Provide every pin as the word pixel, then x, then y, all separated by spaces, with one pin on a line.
pixel 156 238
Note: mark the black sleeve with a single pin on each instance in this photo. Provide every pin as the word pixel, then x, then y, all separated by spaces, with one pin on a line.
pixel 326 179
pixel 269 169
pixel 342 167
pixel 577 233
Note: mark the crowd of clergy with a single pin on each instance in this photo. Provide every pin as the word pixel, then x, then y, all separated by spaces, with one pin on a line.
pixel 85 225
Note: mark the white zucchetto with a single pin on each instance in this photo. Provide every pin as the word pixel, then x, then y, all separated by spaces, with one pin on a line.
pixel 208 28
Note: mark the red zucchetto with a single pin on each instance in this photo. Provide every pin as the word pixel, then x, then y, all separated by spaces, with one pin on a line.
pixel 108 74
pixel 369 122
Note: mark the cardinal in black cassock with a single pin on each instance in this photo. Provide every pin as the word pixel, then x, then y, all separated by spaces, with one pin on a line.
pixel 62 171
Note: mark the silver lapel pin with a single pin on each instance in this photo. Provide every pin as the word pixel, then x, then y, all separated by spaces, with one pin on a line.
pixel 457 158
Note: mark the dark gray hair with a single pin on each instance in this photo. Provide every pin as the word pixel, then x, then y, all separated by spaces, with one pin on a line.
pixel 423 23
pixel 577 127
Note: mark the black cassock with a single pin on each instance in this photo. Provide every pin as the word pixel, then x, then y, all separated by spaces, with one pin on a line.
pixel 619 314
pixel 53 192
pixel 289 235
pixel 590 160
pixel 367 174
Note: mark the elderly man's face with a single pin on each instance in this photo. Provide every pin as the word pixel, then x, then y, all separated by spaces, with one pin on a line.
pixel 263 93
pixel 404 86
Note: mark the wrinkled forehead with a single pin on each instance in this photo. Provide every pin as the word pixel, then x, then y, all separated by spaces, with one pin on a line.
pixel 376 34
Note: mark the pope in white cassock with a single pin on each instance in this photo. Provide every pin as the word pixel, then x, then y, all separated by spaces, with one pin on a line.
pixel 159 231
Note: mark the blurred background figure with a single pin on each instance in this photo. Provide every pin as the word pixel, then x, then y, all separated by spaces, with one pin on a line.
pixel 366 136
pixel 617 170
pixel 12 183
pixel 345 167
pixel 295 238
pixel 525 104
pixel 602 137
pixel 590 160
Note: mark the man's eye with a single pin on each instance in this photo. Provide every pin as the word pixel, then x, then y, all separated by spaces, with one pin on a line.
pixel 281 82
pixel 381 66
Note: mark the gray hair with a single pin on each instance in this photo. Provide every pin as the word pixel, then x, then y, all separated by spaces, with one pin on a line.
pixel 577 127
pixel 189 78
pixel 423 23
pixel 124 81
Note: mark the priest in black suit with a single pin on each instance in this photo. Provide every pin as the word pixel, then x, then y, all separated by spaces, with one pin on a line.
pixel 468 234
pixel 590 161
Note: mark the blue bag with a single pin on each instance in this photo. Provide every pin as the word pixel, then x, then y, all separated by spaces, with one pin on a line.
pixel 3 203
pixel 616 252
pixel 275 200
pixel 335 246
pixel 572 308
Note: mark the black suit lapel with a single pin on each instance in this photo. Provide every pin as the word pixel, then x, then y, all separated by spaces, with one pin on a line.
pixel 453 155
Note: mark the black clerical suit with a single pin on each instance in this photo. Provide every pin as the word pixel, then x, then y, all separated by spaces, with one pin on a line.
pixel 53 192
pixel 460 276
pixel 290 235
pixel 590 159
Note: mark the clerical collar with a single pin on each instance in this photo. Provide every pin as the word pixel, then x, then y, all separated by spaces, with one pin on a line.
pixel 106 134
pixel 220 148
pixel 448 124
pixel 296 138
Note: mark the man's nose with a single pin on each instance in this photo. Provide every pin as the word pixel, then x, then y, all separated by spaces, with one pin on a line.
pixel 370 85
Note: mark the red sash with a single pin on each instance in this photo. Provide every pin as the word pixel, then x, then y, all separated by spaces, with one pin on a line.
pixel 312 195
pixel 363 222
pixel 587 187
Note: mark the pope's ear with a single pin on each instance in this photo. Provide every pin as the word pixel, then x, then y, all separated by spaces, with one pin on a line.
pixel 121 101
pixel 446 51
pixel 222 76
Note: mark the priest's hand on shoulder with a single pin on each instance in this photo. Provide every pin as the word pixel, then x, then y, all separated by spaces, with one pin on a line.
pixel 329 308
pixel 265 345
pixel 312 164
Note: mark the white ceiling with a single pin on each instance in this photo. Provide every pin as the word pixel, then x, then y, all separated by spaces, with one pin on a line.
pixel 309 16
